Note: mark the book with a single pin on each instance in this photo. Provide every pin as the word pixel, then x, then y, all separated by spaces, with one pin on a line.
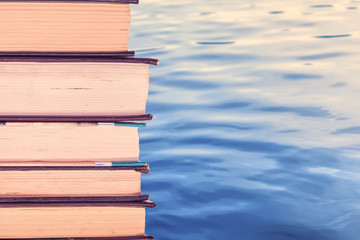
pixel 77 199
pixel 74 89
pixel 65 27
pixel 145 237
pixel 68 144
pixel 74 220
pixel 62 182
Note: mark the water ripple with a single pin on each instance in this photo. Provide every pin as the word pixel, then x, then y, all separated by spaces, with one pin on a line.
pixel 216 43
pixel 340 84
pixel 322 6
pixel 301 111
pixel 205 125
pixel 243 145
pixel 301 76
pixel 170 107
pixel 276 12
pixel 322 56
pixel 351 130
pixel 211 57
pixel 334 36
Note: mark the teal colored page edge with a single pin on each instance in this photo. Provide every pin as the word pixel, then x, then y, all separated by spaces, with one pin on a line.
pixel 128 164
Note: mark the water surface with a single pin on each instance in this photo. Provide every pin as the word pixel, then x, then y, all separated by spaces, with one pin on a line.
pixel 256 123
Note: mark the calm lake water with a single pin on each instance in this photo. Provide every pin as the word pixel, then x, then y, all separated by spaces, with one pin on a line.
pixel 256 118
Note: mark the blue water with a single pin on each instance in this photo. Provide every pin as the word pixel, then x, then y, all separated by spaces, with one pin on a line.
pixel 256 118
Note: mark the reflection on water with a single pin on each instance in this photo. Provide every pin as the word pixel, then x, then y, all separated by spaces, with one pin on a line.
pixel 256 123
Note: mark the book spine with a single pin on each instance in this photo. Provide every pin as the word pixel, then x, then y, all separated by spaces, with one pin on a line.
pixel 90 238
pixel 148 204
pixel 150 61
pixel 68 54
pixel 113 119
pixel 73 164
pixel 142 169
pixel 81 124
pixel 74 199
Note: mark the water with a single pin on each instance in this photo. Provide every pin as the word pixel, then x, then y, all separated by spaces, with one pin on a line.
pixel 256 123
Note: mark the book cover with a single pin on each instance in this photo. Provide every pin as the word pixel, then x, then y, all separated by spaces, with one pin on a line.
pixel 77 89
pixel 68 220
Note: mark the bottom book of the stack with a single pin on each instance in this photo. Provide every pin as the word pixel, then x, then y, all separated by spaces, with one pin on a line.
pixel 110 218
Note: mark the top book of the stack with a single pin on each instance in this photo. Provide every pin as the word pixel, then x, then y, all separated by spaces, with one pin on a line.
pixel 65 27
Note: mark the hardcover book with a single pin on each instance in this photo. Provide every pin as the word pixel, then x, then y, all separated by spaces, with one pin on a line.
pixel 74 89
pixel 68 144
pixel 32 183
pixel 67 28
pixel 74 220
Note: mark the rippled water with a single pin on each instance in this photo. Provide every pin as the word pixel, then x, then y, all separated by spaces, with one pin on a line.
pixel 256 122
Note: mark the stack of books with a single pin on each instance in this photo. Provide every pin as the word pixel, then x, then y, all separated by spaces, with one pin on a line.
pixel 72 98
